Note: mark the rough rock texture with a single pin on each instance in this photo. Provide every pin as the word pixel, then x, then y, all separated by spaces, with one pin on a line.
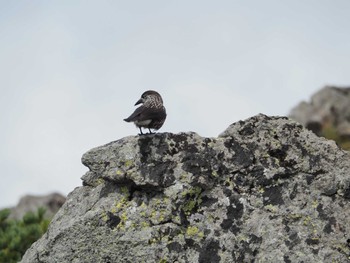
pixel 265 190
pixel 329 106
pixel 51 202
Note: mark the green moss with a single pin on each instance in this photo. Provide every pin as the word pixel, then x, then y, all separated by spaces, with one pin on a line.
pixel 346 146
pixel 329 131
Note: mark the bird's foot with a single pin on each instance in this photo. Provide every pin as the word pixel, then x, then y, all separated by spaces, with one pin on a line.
pixel 141 133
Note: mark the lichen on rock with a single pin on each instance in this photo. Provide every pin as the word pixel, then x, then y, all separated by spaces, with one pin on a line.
pixel 265 190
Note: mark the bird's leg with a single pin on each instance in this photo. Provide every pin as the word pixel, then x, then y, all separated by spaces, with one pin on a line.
pixel 141 133
pixel 150 132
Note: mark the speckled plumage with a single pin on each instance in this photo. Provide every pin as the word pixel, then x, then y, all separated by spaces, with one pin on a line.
pixel 151 114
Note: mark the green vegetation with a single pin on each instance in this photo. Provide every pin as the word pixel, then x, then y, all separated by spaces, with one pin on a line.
pixel 16 236
pixel 330 132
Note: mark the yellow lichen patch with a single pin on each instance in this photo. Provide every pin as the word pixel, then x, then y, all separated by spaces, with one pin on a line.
pixel 144 224
pixel 114 209
pixel 271 208
pixel 119 172
pixel 158 216
pixel 158 202
pixel 121 204
pixel 104 217
pixel 295 216
pixel 185 178
pixel 161 217
pixel 100 181
pixel 342 247
pixel 307 220
pixel 193 231
pixel 124 190
pixel 192 199
pixel 128 163
pixel 123 218
pixel 261 190
pixel 143 214
pixel 189 206
pixel 194 191
pixel 200 234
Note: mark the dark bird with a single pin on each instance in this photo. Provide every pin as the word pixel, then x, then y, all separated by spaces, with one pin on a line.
pixel 151 114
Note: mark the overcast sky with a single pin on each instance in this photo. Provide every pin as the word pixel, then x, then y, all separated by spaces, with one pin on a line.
pixel 72 70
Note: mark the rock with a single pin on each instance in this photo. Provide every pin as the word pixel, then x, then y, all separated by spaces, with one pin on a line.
pixel 51 202
pixel 329 106
pixel 265 190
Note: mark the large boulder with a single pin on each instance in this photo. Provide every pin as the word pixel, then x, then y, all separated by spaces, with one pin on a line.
pixel 329 107
pixel 30 203
pixel 265 190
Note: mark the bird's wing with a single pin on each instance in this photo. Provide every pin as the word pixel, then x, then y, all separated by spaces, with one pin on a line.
pixel 142 113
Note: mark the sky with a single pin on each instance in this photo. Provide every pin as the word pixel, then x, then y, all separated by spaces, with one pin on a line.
pixel 71 71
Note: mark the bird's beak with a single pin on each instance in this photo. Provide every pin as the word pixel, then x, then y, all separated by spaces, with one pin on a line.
pixel 139 101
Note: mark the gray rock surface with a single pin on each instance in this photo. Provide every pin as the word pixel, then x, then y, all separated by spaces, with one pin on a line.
pixel 30 203
pixel 328 106
pixel 265 190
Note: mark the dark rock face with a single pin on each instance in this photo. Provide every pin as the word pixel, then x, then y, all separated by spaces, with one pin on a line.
pixel 51 202
pixel 265 190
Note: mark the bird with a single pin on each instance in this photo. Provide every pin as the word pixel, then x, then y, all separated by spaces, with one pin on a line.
pixel 151 114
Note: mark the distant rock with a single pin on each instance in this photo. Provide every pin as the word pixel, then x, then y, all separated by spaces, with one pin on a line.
pixel 265 190
pixel 51 202
pixel 329 106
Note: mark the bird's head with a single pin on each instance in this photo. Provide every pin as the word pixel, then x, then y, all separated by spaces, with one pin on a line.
pixel 148 96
